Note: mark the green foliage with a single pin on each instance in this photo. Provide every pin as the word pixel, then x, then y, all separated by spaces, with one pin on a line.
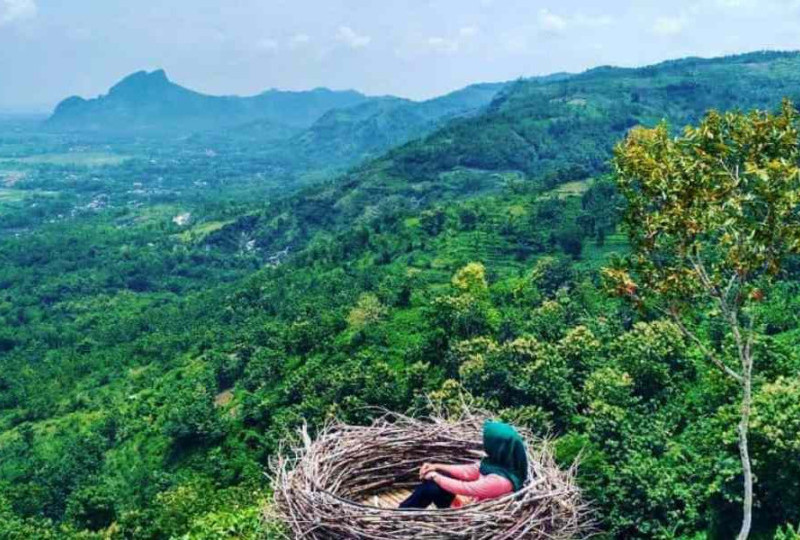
pixel 367 311
pixel 712 218
pixel 717 202
pixel 776 443
pixel 149 370
pixel 654 355
pixel 469 312
pixel 519 373
pixel 787 533
pixel 471 280
pixel 91 507
pixel 191 416
pixel 241 524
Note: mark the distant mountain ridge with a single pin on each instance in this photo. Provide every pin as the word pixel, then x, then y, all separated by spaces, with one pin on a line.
pixel 149 103
pixel 534 134
pixel 343 136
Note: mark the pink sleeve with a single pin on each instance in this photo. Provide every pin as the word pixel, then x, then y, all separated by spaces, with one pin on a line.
pixel 462 472
pixel 488 487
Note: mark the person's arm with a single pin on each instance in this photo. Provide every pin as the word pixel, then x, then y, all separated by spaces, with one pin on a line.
pixel 488 487
pixel 467 472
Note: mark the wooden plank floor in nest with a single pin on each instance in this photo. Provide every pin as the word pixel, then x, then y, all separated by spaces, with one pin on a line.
pixel 389 499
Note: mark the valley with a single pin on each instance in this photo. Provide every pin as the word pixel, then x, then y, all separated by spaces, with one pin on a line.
pixel 186 279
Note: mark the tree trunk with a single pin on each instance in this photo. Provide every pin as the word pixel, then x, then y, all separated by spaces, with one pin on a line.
pixel 744 424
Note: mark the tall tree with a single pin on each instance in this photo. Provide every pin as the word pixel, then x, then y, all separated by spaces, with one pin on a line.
pixel 711 216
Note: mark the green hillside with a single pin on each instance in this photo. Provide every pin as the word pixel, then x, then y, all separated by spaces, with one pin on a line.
pixel 345 136
pixel 157 343
pixel 536 134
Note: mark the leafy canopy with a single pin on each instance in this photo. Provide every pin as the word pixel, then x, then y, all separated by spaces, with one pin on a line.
pixel 713 209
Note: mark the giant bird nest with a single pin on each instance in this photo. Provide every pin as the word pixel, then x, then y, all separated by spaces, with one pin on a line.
pixel 330 487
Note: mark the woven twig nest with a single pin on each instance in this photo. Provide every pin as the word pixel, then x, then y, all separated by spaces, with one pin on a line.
pixel 323 490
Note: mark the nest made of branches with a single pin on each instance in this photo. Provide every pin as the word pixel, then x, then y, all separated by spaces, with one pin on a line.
pixel 321 485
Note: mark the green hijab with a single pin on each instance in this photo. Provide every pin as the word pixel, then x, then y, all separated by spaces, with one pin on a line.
pixel 505 453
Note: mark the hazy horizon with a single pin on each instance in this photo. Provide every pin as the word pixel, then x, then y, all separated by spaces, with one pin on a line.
pixel 415 50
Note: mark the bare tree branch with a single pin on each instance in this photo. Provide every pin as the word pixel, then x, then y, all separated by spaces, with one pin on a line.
pixel 728 311
pixel 705 350
pixel 750 337
pixel 731 282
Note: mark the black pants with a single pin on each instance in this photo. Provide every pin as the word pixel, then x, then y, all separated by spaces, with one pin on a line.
pixel 426 493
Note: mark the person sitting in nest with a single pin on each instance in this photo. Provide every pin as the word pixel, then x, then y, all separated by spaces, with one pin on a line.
pixel 504 470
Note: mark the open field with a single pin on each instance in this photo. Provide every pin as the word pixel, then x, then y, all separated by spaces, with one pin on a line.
pixel 198 232
pixel 85 159
pixel 569 189
pixel 596 256
pixel 17 195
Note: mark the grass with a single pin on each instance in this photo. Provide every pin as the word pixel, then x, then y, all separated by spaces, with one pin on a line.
pixel 156 212
pixel 569 189
pixel 86 159
pixel 12 195
pixel 19 195
pixel 202 230
pixel 594 255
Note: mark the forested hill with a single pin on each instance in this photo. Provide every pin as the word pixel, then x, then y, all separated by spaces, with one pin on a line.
pixel 313 133
pixel 160 335
pixel 149 103
pixel 544 128
pixel 368 129
pixel 344 136
pixel 535 134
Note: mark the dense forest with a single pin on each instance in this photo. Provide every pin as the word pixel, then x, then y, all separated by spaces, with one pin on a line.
pixel 172 308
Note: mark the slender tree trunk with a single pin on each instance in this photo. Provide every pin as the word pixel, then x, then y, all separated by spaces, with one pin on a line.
pixel 744 425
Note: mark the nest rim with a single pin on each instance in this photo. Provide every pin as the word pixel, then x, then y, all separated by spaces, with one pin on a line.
pixel 549 505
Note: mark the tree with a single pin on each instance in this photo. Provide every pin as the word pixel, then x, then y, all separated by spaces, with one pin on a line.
pixel 469 312
pixel 711 217
pixel 433 221
pixel 571 241
pixel 366 312
pixel 191 417
pixel 471 279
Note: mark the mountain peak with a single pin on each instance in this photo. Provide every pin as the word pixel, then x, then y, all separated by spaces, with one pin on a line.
pixel 141 81
pixel 159 74
pixel 149 102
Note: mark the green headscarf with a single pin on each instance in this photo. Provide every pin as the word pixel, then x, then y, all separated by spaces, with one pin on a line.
pixel 505 453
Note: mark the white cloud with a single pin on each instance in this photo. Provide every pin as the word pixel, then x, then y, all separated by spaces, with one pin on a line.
pixel 550 22
pixel 447 45
pixel 299 40
pixel 351 38
pixel 731 3
pixel 17 10
pixel 669 26
pixel 80 33
pixel 594 21
pixel 757 6
pixel 218 36
pixel 468 31
pixel 520 40
pixel 555 24
pixel 443 45
pixel 267 45
pixel 515 43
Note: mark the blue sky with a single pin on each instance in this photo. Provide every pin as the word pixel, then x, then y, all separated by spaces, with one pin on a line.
pixel 50 49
